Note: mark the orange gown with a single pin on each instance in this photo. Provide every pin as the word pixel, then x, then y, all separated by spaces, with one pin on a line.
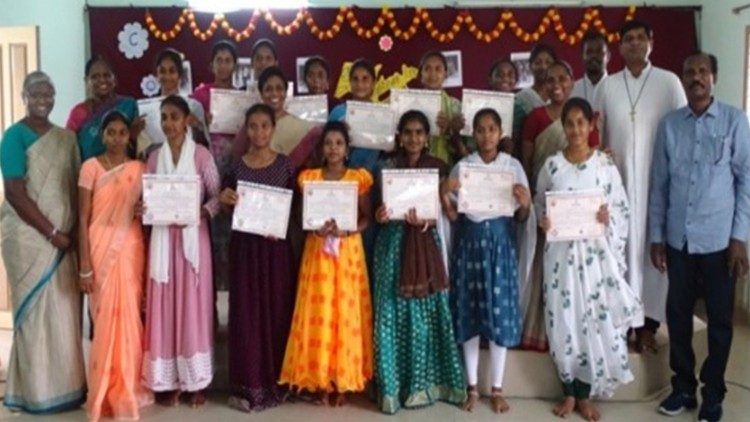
pixel 330 342
pixel 118 256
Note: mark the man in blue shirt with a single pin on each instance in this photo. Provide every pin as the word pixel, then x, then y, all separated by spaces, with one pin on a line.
pixel 699 218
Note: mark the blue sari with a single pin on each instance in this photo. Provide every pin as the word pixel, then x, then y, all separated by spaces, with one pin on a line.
pixel 87 124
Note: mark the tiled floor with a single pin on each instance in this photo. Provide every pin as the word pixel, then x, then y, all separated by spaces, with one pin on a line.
pixel 736 408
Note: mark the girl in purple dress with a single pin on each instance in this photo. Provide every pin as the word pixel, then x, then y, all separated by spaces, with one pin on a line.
pixel 262 277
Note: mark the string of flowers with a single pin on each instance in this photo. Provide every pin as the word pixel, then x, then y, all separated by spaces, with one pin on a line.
pixel 551 20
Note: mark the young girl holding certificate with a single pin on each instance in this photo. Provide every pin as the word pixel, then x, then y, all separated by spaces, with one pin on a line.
pixel 263 277
pixel 485 290
pixel 179 337
pixel 169 71
pixel 503 77
pixel 362 86
pixel 447 144
pixel 330 342
pixel 416 359
pixel 588 303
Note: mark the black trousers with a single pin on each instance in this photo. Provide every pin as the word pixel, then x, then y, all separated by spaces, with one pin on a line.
pixel 692 276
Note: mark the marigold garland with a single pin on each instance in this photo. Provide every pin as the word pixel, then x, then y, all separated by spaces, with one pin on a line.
pixel 550 20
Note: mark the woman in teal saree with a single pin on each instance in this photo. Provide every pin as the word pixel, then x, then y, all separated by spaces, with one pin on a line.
pixel 86 118
pixel 40 163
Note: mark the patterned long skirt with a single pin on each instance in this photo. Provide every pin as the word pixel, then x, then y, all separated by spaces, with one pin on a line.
pixel 484 283
pixel 416 359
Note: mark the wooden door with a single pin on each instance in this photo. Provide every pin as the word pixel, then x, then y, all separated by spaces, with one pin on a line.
pixel 19 55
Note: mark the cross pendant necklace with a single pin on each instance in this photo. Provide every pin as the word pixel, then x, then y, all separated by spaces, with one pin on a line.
pixel 633 104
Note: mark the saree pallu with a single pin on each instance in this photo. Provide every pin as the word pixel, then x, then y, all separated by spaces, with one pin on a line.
pixel 440 144
pixel 87 124
pixel 118 258
pixel 46 369
pixel 546 144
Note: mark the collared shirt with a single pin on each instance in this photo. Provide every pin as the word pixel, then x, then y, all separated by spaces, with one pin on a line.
pixel 584 88
pixel 700 179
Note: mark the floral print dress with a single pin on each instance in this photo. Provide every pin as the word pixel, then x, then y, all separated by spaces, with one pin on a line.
pixel 588 303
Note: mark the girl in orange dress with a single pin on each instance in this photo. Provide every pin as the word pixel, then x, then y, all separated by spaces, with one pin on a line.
pixel 112 257
pixel 330 344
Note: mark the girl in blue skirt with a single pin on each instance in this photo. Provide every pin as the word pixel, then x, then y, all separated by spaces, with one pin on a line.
pixel 484 279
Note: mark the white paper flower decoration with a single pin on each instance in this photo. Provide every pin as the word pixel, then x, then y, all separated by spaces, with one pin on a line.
pixel 133 40
pixel 150 85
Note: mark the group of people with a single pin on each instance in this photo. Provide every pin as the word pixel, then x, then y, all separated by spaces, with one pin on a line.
pixel 402 302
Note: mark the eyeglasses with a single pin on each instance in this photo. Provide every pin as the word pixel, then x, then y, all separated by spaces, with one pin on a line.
pixel 44 96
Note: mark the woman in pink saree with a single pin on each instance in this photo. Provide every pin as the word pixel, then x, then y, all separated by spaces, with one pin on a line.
pixel 112 260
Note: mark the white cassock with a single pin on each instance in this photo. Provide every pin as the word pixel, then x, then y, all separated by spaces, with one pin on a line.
pixel 584 88
pixel 629 130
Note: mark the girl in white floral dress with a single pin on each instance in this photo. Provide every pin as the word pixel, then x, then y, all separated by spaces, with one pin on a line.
pixel 588 303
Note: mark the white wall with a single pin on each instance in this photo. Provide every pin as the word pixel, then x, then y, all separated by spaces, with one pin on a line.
pixel 723 34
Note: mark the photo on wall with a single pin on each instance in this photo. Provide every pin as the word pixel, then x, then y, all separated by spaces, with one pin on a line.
pixel 521 60
pixel 300 67
pixel 455 77
pixel 243 73
pixel 186 85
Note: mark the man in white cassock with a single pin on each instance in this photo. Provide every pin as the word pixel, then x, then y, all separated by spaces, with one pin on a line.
pixel 631 103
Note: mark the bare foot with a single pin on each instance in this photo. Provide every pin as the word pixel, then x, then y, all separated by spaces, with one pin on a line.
pixel 197 399
pixel 168 398
pixel 499 405
pixel 645 340
pixel 565 407
pixel 324 399
pixel 472 397
pixel 340 399
pixel 587 410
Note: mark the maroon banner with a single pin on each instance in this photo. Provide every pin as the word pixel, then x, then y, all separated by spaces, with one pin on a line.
pixel 675 37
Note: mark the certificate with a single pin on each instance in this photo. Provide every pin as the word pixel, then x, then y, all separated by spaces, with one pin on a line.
pixel 323 201
pixel 372 126
pixel 485 190
pixel 150 109
pixel 474 100
pixel 262 210
pixel 425 100
pixel 309 107
pixel 572 215
pixel 412 188
pixel 171 199
pixel 228 107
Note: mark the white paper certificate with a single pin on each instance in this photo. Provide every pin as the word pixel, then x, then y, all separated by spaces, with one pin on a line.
pixel 150 108
pixel 228 107
pixel 308 107
pixel 262 210
pixel 572 215
pixel 371 126
pixel 323 201
pixel 474 100
pixel 412 188
pixel 485 190
pixel 171 199
pixel 425 100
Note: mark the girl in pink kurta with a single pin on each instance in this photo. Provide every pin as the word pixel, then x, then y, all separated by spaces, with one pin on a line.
pixel 179 308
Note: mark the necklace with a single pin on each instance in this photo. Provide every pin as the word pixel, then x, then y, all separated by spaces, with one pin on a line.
pixel 109 163
pixel 640 92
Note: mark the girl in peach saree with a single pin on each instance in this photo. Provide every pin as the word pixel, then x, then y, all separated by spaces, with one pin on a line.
pixel 112 260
